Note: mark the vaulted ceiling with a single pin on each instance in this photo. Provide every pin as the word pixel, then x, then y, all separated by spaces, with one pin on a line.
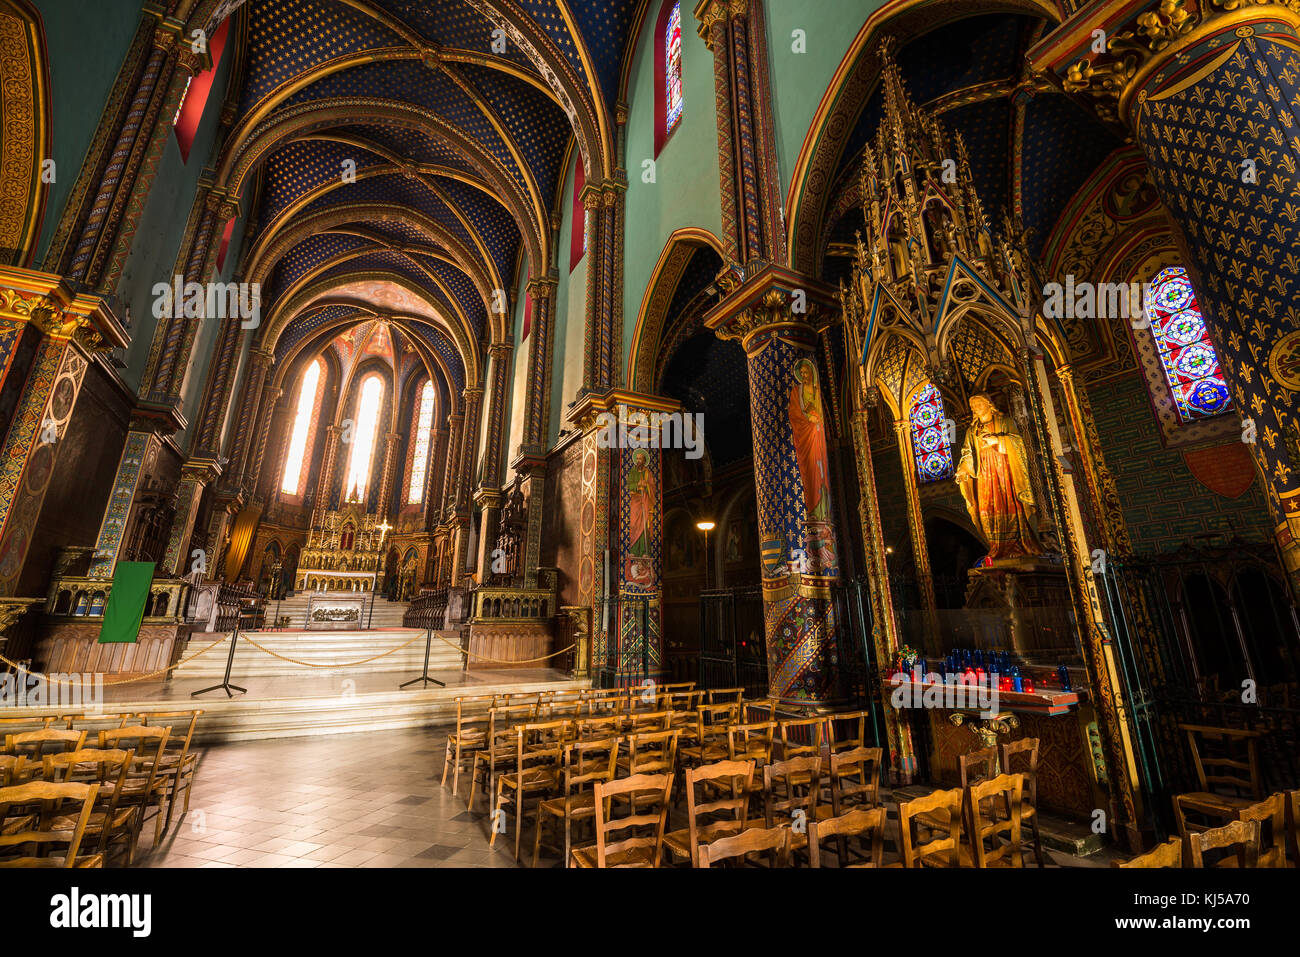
pixel 406 157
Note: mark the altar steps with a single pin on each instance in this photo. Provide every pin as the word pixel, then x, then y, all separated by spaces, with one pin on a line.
pixel 379 614
pixel 332 652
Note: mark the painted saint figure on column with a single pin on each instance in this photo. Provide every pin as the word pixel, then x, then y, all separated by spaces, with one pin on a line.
pixel 641 498
pixel 809 427
pixel 993 476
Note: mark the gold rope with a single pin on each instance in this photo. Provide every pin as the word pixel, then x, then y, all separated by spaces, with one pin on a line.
pixel 505 661
pixel 343 664
pixel 124 681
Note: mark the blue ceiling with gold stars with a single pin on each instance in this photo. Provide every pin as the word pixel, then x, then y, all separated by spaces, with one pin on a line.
pixel 457 143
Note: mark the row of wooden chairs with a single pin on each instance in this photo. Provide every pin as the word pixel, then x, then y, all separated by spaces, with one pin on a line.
pixel 1264 834
pixel 139 771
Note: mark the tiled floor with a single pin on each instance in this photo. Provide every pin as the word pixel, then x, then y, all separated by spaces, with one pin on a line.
pixel 346 800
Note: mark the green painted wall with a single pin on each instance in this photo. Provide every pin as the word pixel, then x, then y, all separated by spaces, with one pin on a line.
pixel 86 42
pixel 686 190
pixel 1164 505
pixel 514 429
pixel 800 80
pixel 570 318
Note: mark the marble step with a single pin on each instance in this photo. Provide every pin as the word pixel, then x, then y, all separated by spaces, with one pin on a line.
pixel 339 650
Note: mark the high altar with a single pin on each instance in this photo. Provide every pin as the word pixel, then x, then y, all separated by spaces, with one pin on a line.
pixel 344 551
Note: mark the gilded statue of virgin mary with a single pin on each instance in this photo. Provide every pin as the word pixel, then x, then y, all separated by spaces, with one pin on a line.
pixel 993 476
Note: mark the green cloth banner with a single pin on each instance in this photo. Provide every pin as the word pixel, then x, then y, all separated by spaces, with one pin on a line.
pixel 125 611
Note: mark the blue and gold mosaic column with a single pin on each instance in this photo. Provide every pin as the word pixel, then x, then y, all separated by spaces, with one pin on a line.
pixel 1212 94
pixel 772 314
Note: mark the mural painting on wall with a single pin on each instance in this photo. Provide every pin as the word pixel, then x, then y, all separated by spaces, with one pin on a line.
pixel 993 476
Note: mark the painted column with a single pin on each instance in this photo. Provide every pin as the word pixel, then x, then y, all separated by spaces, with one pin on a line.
pixel 433 503
pixel 604 205
pixel 389 477
pixel 1213 98
pixel 916 524
pixel 324 499
pixel 530 461
pixel 139 453
pixel 196 475
pixel 489 502
pixel 455 423
pixel 772 315
pixel 884 622
pixel 43 379
pixel 593 511
pixel 499 383
pixel 465 471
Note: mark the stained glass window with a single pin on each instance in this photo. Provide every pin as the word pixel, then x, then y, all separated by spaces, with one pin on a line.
pixel 930 442
pixel 1191 365
pixel 363 439
pixel 420 459
pixel 293 461
pixel 673 67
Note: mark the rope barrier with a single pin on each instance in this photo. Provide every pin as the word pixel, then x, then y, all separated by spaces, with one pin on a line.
pixel 342 664
pixel 504 661
pixel 124 681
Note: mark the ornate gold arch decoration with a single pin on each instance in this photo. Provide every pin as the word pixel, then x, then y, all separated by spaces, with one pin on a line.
pixel 25 108
pixel 653 314
pixel 854 80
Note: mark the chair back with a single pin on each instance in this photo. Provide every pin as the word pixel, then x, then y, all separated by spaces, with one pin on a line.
pixel 1168 854
pixel 39 829
pixel 751 741
pixel 1021 757
pixel 775 841
pixel 1226 760
pixel 792 789
pixel 863 823
pixel 643 721
pixel 727 812
pixel 726 695
pixel 976 767
pixel 1271 814
pixel 1293 825
pixel 586 762
pixel 652 752
pixel 36 744
pixel 647 806
pixel 712 720
pixel 855 777
pixel 943 848
pixel 148 741
pixel 801 737
pixel 848 730
pixel 13 769
pixel 982 801
pixel 1240 838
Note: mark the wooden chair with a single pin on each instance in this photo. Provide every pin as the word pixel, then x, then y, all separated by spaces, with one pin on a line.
pixel 1168 854
pixel 539 751
pixel 983 801
pixel 864 824
pixel 708 739
pixel 469 736
pixel 1021 757
pixel 801 737
pixel 775 841
pixel 1226 759
pixel 145 786
pixel 1271 815
pixel 726 696
pixel 848 730
pixel 498 749
pixel 13 769
pixel 941 815
pixel 1240 839
pixel 650 752
pixel 605 701
pixel 1293 825
pixel 599 728
pixel 751 742
pixel 628 850
pixel 643 721
pixel 40 830
pixel 10 726
pixel 791 795
pixel 709 816
pixel 179 762
pixel 36 744
pixel 563 706
pixel 855 778
pixel 110 824
pixel 586 762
